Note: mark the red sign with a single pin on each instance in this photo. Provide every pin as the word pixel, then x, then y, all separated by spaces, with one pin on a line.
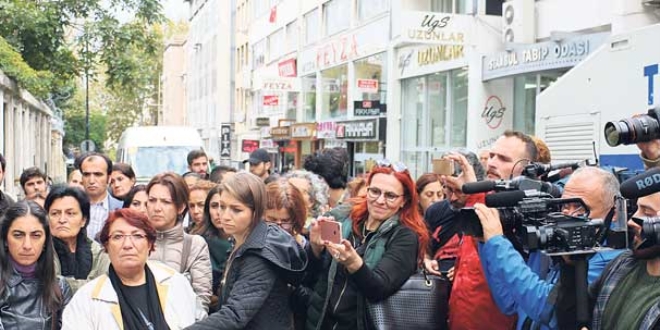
pixel 493 112
pixel 273 15
pixel 250 145
pixel 287 68
pixel 271 100
pixel 289 148
pixel 368 85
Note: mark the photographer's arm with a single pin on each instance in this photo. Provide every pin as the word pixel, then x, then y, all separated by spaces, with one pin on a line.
pixel 513 284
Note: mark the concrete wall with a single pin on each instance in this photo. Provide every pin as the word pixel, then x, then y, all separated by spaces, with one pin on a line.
pixel 172 84
pixel 28 138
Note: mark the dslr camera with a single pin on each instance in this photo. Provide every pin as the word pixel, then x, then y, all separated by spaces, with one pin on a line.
pixel 642 128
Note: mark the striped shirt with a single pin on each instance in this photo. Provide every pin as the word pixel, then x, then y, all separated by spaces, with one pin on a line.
pixel 98 214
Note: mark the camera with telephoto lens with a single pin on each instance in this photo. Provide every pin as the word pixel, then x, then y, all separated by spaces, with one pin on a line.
pixel 641 128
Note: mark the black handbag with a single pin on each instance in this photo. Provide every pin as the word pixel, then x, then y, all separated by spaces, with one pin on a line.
pixel 421 303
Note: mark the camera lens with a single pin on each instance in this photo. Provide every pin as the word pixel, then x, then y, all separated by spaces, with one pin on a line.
pixel 651 230
pixel 632 130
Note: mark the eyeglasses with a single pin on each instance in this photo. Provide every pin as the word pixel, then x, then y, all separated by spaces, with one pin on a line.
pixel 121 238
pixel 375 193
pixel 573 209
pixel 396 167
pixel 285 224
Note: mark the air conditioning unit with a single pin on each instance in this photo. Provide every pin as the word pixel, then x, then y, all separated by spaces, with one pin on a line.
pixel 518 21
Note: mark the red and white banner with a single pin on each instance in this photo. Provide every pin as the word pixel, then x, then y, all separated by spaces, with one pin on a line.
pixel 271 100
pixel 287 68
pixel 368 85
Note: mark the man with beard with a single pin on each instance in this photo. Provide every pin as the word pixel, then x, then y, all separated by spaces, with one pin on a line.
pixel 520 287
pixel 627 294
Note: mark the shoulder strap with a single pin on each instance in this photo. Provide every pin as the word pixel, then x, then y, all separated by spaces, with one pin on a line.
pixel 185 253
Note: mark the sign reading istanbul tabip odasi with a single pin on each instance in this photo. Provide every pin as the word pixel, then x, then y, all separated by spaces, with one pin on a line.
pixel 541 56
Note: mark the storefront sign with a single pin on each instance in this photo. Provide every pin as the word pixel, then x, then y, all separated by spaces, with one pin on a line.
pixel 326 130
pixel 435 28
pixel 263 121
pixel 367 108
pixel 268 144
pixel 280 133
pixel 271 100
pixel 541 56
pixel 493 112
pixel 368 85
pixel 437 54
pixel 359 130
pixel 287 68
pixel 369 39
pixel 420 60
pixel 225 141
pixel 290 148
pixel 306 131
pixel 249 145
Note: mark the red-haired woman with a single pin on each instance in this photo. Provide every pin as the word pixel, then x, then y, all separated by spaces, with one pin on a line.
pixel 384 238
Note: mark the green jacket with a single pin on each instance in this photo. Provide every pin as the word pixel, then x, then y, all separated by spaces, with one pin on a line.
pixel 100 265
pixel 319 299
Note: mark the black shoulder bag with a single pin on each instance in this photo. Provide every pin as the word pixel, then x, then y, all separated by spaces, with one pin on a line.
pixel 420 304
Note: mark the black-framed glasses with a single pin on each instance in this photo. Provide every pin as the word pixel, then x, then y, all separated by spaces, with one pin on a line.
pixel 285 224
pixel 375 193
pixel 396 166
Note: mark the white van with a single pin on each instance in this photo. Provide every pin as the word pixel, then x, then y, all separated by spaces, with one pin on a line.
pixel 151 150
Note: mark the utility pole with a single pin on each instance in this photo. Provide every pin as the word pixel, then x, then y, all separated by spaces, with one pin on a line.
pixel 86 84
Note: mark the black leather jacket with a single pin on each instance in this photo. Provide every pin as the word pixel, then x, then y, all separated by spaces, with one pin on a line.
pixel 21 305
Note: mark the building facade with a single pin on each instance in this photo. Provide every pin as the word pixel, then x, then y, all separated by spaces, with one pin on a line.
pixel 173 107
pixel 209 78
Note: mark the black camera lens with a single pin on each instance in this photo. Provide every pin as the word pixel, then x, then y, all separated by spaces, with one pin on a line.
pixel 632 130
pixel 651 230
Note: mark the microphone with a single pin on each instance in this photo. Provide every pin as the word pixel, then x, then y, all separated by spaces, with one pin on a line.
pixel 505 198
pixel 478 187
pixel 642 184
pixel 538 169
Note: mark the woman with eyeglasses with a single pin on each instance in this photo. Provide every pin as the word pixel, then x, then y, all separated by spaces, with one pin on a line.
pixel 254 290
pixel 31 294
pixel 135 294
pixel 286 208
pixel 384 240
pixel 78 259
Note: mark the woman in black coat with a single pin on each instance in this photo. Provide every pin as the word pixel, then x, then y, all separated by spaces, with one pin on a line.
pixel 253 292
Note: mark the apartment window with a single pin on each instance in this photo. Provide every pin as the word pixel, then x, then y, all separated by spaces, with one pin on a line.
pixel 259 54
pixel 336 16
pixel 292 37
pixel 370 8
pixel 260 7
pixel 452 6
pixel 311 26
pixel 276 45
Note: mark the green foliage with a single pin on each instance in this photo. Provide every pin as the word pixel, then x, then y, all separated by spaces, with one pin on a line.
pixel 74 124
pixel 36 82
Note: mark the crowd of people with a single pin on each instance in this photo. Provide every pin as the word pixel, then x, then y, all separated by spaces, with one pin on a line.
pixel 224 248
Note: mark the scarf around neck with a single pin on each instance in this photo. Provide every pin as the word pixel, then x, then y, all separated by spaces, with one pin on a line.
pixel 77 264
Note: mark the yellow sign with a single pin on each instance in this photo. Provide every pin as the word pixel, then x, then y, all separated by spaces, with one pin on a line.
pixel 437 54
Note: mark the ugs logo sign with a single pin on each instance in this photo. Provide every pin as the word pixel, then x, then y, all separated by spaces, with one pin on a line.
pixel 648 181
pixel 493 112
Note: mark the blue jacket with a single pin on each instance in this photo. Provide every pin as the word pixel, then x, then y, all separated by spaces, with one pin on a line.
pixel 517 287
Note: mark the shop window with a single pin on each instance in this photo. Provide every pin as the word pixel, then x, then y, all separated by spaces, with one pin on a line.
pixel 370 8
pixel 434 117
pixel 309 98
pixel 336 16
pixel 334 92
pixel 311 26
pixel 371 78
pixel 526 89
pixel 291 105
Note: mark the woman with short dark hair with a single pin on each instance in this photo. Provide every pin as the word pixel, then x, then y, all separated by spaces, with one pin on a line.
pixel 78 258
pixel 135 294
pixel 31 295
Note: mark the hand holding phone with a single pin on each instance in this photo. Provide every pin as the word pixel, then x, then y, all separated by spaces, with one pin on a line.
pixel 330 231
pixel 443 166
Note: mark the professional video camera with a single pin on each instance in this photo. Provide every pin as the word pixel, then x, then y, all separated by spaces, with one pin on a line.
pixel 641 128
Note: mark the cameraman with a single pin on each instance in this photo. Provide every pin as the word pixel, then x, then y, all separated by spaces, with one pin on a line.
pixel 514 286
pixel 627 294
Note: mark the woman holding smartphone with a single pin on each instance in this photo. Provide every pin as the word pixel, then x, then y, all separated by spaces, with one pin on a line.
pixel 253 291
pixel 383 241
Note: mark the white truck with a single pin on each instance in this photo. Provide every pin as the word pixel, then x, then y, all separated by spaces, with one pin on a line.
pixel 615 82
pixel 155 149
